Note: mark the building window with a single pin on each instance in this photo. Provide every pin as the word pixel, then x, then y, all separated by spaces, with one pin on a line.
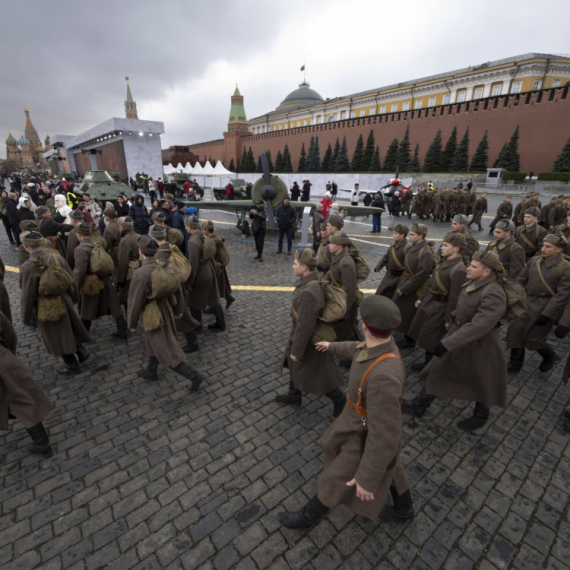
pixel 418 104
pixel 406 106
pixel 352 114
pixel 446 99
pixel 371 111
pixel 497 89
pixel 556 83
pixel 478 93
pixel 319 119
pixel 461 96
pixel 382 109
pixel 431 102
pixel 394 107
pixel 331 119
pixel 516 87
pixel 537 85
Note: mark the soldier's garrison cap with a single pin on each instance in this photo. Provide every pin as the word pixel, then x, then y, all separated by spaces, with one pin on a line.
pixel 32 238
pixel 556 239
pixel 41 210
pixel 419 229
pixel 157 232
pixel 380 314
pixel 147 245
pixel 208 225
pixel 336 221
pixel 28 225
pixel 159 217
pixel 533 211
pixel 110 213
pixel 340 238
pixel 83 229
pixel 126 221
pixel 460 218
pixel 77 215
pixel 505 225
pixel 401 229
pixel 456 240
pixel 306 257
pixel 490 259
pixel 192 222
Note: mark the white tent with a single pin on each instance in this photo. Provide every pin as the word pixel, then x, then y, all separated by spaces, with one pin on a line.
pixel 208 169
pixel 197 168
pixel 188 168
pixel 169 169
pixel 220 170
pixel 179 167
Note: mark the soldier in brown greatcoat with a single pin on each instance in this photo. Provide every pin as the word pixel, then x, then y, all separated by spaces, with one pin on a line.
pixel 459 226
pixel 112 235
pixel 358 471
pixel 333 225
pixel 161 344
pixel 545 213
pixel 471 199
pixel 479 208
pixel 504 212
pixel 186 324
pixel 310 371
pixel 222 278
pixel 461 203
pixel 511 254
pixel 450 210
pixel 106 302
pixel 439 206
pixel 564 230
pixel 72 241
pixel 128 257
pixel 418 264
pixel 470 363
pixel 173 236
pixel 439 301
pixel 32 226
pixel 65 336
pixel 546 279
pixel 530 235
pixel 20 396
pixel 393 261
pixel 558 214
pixel 202 284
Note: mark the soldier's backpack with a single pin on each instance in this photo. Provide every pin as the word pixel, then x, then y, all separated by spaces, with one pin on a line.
pixel 180 264
pixel 55 279
pixel 222 255
pixel 100 262
pixel 362 267
pixel 208 250
pixel 96 236
pixel 164 280
pixel 516 298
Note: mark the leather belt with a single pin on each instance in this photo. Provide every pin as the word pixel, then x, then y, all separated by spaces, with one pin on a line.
pixel 395 272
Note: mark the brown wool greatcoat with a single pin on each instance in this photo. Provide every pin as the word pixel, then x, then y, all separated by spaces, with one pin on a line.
pixel 72 243
pixel 557 215
pixel 202 284
pixel 563 230
pixel 393 261
pixel 18 389
pixel 161 343
pixel 174 236
pixel 534 234
pixel 439 208
pixel 93 306
pixel 315 372
pixel 23 254
pixel 112 237
pixel 5 300
pixel 324 257
pixel 343 274
pixel 479 208
pixel 461 203
pixel 450 199
pixel 407 201
pixel 128 251
pixel 224 287
pixel 380 466
pixel 524 333
pixel 504 212
pixel 417 269
pixel 511 255
pixel 437 305
pixel 474 369
pixel 471 199
pixel 63 336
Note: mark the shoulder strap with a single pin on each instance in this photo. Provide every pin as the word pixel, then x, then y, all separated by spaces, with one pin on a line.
pixel 560 268
pixel 538 263
pixel 395 257
pixel 526 240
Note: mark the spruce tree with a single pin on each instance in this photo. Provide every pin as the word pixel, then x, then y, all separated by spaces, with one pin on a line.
pixel 415 165
pixel 512 157
pixel 316 166
pixel 250 161
pixel 391 159
pixel 326 163
pixel 342 163
pixel 259 167
pixel 287 166
pixel 375 164
pixel 432 160
pixel 335 154
pixel 562 162
pixel 270 162
pixel 356 164
pixel 279 162
pixel 481 156
pixel 460 162
pixel 368 154
pixel 448 151
pixel 310 156
pixel 232 166
pixel 404 151
pixel 243 160
pixel 302 160
pixel 501 158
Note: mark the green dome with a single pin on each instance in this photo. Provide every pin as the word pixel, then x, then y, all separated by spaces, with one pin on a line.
pixel 300 97
pixel 11 141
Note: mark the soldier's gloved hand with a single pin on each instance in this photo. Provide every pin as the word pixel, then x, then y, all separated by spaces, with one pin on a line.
pixel 439 350
pixel 542 320
pixel 561 331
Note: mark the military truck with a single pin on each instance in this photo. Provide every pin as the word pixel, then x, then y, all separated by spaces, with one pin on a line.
pixel 239 190
pixel 102 188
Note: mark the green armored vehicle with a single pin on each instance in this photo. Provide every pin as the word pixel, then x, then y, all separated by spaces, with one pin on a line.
pixel 239 190
pixel 102 188
pixel 180 179
pixel 67 175
pixel 115 176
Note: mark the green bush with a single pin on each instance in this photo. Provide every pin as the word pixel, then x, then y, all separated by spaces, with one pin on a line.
pixel 518 176
pixel 564 176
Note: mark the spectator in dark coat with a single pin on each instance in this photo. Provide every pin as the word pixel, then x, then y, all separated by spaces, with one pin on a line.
pixel 378 202
pixel 12 217
pixel 33 192
pixel 178 218
pixel 165 209
pixel 139 214
pixel 295 192
pixel 121 207
pixel 367 200
pixel 285 216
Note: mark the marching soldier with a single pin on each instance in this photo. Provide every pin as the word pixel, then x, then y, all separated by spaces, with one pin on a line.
pixel 546 279
pixel 202 284
pixel 104 303
pixel 419 200
pixel 318 223
pixel 511 254
pixel 545 213
pixel 530 235
pixel 393 261
pixel 504 212
pixel 461 203
pixel 418 264
pixel 558 214
pixel 72 241
pixel 32 226
pixel 439 301
pixel 407 202
pixel 470 363
pixel 564 230
pixel 128 257
pixel 65 336
pixel 471 200
pixel 161 344
pixel 50 229
pixel 362 447
pixel 112 234
pixel 459 226
pixel 173 236
pixel 479 208
pixel 310 371
pixel 449 205
pixel 334 224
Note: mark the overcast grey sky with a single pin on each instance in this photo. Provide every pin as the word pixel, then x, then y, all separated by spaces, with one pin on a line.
pixel 66 59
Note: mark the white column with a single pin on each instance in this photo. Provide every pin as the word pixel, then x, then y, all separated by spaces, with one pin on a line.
pixel 453 96
pixel 469 94
pixel 487 90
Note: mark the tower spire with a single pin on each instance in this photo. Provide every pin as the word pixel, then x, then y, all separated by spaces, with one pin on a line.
pixel 130 105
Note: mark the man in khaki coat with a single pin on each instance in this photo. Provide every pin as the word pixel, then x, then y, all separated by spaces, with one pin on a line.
pixel 393 261
pixel 220 270
pixel 128 257
pixel 310 371
pixel 333 225
pixel 546 279
pixel 112 234
pixel 359 470
pixel 504 212
pixel 72 241
pixel 459 226
pixel 470 363
pixel 530 235
pixel 511 254
pixel 161 344
pixel 92 307
pixel 173 236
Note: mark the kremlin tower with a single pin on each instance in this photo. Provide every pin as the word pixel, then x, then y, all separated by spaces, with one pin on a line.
pixel 130 105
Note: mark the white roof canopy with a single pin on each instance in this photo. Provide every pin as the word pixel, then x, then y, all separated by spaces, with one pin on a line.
pixel 208 169
pixel 197 169
pixel 220 170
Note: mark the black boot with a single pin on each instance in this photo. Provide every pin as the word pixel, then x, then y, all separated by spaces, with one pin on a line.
pixel 86 324
pixel 121 328
pixel 82 354
pixel 313 511
pixel 419 366
pixel 339 401
pixel 149 373
pixel 406 342
pixel 40 440
pixel 184 369
pixel 548 358
pixel 197 315
pixel 230 300
pixel 293 397
pixel 517 360
pixel 478 419
pixel 403 507
pixel 419 405
pixel 191 342
pixel 71 365
pixel 220 323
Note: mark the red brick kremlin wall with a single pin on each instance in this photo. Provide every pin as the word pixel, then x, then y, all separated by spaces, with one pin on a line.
pixel 543 117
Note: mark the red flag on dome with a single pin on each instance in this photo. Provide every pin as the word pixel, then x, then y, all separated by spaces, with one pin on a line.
pixel 303 68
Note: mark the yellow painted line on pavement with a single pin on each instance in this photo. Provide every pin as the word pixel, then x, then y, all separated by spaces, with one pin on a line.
pixel 12 269
pixel 277 289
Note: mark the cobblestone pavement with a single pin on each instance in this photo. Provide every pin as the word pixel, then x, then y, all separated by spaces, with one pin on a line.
pixel 148 475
